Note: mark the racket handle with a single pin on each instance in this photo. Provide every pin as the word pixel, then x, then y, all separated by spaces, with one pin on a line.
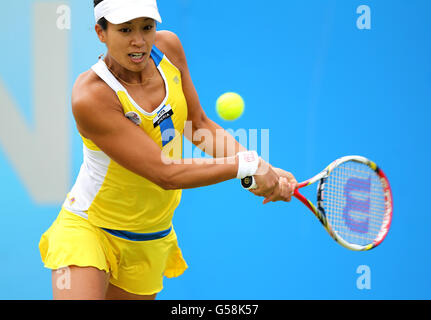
pixel 248 183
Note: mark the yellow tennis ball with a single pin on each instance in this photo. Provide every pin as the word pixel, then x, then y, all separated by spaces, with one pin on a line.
pixel 230 106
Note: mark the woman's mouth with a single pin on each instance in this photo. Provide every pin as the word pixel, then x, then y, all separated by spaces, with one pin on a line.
pixel 137 57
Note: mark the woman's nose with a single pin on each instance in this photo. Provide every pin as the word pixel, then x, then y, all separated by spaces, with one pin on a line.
pixel 138 40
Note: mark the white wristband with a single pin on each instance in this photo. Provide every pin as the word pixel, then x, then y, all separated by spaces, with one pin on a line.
pixel 248 162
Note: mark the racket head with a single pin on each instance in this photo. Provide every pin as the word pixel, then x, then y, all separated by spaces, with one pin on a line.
pixel 355 199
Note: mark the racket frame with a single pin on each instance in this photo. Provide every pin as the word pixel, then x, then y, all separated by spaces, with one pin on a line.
pixel 319 211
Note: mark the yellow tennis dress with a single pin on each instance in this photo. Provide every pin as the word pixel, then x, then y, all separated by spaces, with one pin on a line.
pixel 118 221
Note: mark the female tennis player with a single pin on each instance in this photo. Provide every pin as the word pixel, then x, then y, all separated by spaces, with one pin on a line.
pixel 113 238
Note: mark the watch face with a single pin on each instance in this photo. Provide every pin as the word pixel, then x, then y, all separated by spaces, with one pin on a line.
pixel 246 182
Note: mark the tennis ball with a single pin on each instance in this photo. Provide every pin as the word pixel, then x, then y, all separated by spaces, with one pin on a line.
pixel 230 106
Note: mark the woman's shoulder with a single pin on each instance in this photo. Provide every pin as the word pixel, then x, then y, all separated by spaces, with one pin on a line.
pixel 89 91
pixel 167 40
pixel 170 44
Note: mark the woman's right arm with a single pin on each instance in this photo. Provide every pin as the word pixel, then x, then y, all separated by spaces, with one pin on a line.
pixel 101 120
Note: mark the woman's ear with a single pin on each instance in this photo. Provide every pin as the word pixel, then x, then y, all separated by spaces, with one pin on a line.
pixel 100 33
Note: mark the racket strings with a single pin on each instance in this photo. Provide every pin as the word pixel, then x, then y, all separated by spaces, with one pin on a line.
pixel 339 206
pixel 354 202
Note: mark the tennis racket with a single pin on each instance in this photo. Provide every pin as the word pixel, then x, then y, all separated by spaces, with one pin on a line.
pixel 354 201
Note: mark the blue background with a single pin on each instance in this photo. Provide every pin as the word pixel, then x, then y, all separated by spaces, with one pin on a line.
pixel 322 87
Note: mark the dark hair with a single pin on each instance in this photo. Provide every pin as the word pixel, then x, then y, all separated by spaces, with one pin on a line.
pixel 102 21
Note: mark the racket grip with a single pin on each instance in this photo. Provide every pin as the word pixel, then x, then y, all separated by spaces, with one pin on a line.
pixel 248 183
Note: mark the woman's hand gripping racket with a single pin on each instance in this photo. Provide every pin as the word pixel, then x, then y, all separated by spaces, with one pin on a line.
pixel 354 202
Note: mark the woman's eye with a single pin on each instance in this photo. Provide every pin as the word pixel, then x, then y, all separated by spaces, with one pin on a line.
pixel 148 27
pixel 125 30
